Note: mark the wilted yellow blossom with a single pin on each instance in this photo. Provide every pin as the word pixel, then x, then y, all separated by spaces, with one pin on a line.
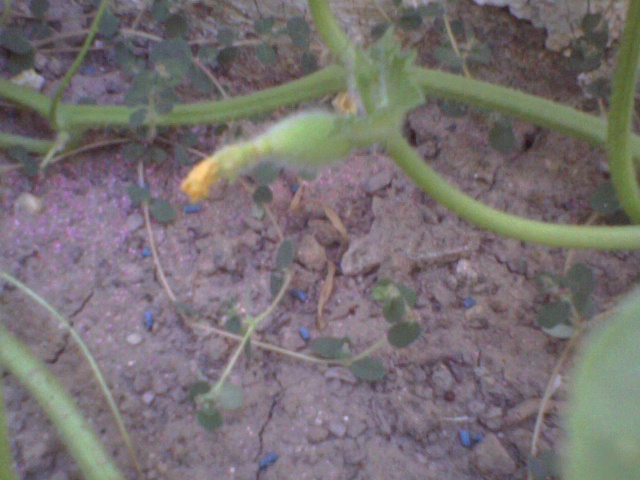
pixel 201 178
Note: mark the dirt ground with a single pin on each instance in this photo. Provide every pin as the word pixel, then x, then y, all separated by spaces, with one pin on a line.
pixel 480 369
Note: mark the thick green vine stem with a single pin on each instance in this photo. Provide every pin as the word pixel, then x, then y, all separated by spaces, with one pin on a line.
pixel 623 174
pixel 328 28
pixel 76 432
pixel 512 226
pixel 327 81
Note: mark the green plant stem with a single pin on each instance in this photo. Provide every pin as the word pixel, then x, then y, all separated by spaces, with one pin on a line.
pixel 252 325
pixel 328 28
pixel 623 174
pixel 88 357
pixel 7 472
pixel 76 432
pixel 512 226
pixel 520 105
pixel 95 25
pixel 35 145
pixel 81 117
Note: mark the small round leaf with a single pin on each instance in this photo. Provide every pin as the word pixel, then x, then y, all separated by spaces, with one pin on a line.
pixel 299 32
pixel 266 54
pixel 229 396
pixel 285 255
pixel 402 334
pixel 262 194
pixel 210 419
pixel 368 369
pixel 176 25
pixel 553 314
pixel 501 136
pixel 265 173
pixel 197 389
pixel 162 211
pixel 264 25
pixel 394 310
pixel 328 347
pixel 138 195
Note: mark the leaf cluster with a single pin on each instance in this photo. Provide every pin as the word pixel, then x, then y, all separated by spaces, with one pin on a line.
pixel 587 51
pixel 567 300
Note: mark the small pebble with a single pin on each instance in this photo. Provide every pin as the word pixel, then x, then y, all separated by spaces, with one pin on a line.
pixel 465 438
pixel 134 339
pixel 304 334
pixel 268 460
pixel 193 208
pixel 148 398
pixel 29 204
pixel 146 252
pixel 298 294
pixel 468 302
pixel 148 320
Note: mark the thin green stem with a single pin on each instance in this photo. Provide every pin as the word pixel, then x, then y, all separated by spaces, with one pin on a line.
pixel 86 354
pixel 328 27
pixel 512 226
pixel 7 471
pixel 77 434
pixel 623 174
pixel 252 325
pixel 369 351
pixel 95 25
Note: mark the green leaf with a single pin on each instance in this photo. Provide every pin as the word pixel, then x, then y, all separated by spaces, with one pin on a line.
pixel 275 283
pixel 547 282
pixel 590 22
pixel 210 419
pixel 138 117
pixel 262 194
pixel 368 369
pixel 226 36
pixel 138 195
pixel 329 347
pixel 299 32
pixel 266 54
pixel 402 334
pixel 21 155
pixel 15 41
pixel 603 414
pixel 162 211
pixel 234 325
pixel 263 26
pixel 197 389
pixel 124 56
pixel 109 25
pixel 160 10
pixel 378 30
pixel 172 59
pixel 226 56
pixel 308 63
pixel 39 8
pixel 381 291
pixel 265 173
pixel 604 200
pixel 580 281
pixel 408 295
pixel 229 396
pixel 547 464
pixel 157 154
pixel 554 313
pixel 176 25
pixel 501 136
pixel 600 88
pixel 181 155
pixel 286 254
pixel 394 310
pixel 410 19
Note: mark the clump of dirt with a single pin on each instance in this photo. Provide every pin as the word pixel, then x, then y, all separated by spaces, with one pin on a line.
pixel 481 368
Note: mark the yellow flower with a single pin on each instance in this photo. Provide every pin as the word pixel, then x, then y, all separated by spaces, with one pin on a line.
pixel 201 178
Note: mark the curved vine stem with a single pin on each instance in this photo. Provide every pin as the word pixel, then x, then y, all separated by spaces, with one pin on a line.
pixel 512 226
pixel 623 174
